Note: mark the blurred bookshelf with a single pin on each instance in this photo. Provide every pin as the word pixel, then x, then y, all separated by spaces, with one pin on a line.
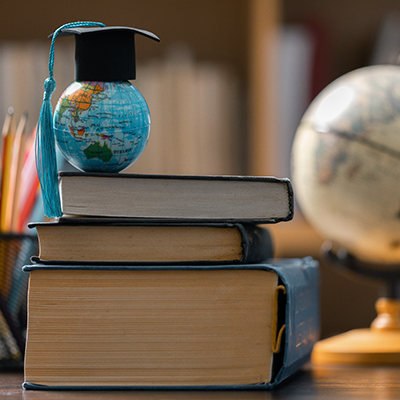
pixel 238 36
pixel 225 52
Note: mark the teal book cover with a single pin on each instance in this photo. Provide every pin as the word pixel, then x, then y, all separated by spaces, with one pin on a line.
pixel 185 327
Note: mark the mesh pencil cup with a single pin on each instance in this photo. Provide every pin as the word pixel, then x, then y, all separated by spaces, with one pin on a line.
pixel 15 252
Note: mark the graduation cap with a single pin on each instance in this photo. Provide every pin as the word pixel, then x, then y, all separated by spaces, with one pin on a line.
pixel 102 53
pixel 105 53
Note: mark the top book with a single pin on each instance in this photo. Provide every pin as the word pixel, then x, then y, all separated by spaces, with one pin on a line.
pixel 177 197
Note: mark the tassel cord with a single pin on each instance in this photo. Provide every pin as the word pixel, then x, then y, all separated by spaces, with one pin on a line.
pixel 45 146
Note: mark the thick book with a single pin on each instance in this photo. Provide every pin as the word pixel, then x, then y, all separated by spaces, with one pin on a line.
pixel 124 240
pixel 194 327
pixel 224 198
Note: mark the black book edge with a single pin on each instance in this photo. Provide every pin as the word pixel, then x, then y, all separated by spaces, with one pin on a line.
pixel 286 181
pixel 259 386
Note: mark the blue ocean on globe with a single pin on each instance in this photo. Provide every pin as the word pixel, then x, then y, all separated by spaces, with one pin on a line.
pixel 101 126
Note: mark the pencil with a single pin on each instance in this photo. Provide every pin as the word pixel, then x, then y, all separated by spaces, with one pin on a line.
pixel 30 186
pixel 17 161
pixel 4 133
pixel 8 137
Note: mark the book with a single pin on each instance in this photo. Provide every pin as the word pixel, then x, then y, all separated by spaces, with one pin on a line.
pixel 295 63
pixel 192 327
pixel 177 197
pixel 108 240
pixel 196 110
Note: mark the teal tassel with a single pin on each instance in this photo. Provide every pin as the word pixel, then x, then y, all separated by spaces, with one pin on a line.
pixel 45 151
pixel 46 162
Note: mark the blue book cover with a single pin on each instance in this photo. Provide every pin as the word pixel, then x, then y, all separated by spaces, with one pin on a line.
pixel 295 324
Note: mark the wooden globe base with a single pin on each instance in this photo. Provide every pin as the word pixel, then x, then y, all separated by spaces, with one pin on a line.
pixel 379 344
pixel 359 346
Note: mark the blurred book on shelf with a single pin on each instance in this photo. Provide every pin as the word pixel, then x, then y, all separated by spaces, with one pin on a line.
pixel 295 72
pixel 386 46
pixel 196 116
pixel 303 70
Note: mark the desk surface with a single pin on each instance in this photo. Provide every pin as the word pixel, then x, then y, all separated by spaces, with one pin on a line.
pixel 313 383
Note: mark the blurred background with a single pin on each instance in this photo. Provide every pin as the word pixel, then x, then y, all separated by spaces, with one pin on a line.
pixel 226 87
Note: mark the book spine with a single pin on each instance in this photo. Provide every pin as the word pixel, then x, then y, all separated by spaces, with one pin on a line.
pixel 302 321
pixel 257 243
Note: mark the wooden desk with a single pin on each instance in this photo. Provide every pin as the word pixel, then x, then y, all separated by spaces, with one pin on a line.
pixel 313 383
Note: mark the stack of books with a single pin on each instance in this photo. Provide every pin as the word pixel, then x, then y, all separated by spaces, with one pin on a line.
pixel 155 281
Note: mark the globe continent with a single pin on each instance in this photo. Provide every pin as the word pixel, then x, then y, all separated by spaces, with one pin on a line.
pixel 101 126
pixel 346 163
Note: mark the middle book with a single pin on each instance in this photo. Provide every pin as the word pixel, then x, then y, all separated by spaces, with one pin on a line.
pixel 125 240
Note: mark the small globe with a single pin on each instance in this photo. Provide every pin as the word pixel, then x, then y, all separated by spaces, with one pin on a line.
pixel 101 126
pixel 346 163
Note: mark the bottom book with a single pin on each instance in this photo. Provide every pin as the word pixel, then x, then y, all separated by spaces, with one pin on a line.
pixel 196 327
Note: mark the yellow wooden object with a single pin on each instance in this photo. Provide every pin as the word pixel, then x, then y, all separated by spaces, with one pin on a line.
pixel 380 344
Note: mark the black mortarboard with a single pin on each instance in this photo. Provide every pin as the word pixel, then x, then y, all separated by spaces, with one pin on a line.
pixel 105 53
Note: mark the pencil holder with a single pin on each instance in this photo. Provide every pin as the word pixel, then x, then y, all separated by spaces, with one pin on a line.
pixel 15 251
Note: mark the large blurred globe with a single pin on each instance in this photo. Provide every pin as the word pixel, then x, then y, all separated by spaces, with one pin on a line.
pixel 346 163
pixel 101 126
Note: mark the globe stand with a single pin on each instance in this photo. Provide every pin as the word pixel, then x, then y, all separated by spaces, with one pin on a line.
pixel 379 344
